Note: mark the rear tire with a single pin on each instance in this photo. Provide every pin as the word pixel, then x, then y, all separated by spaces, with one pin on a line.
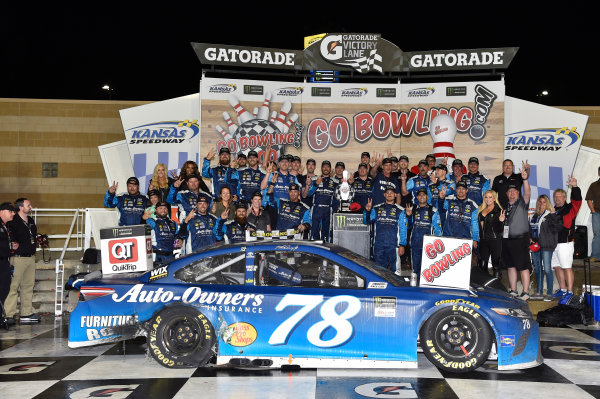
pixel 181 337
pixel 457 341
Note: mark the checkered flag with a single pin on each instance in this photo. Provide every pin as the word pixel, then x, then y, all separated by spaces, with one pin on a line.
pixel 366 64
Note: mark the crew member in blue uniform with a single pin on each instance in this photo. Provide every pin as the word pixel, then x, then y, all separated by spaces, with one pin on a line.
pixel 383 179
pixel 233 231
pixel 421 180
pixel 281 179
pixel 477 183
pixel 323 192
pixel 293 214
pixel 306 181
pixel 186 199
pixel 131 206
pixel 390 229
pixel 461 214
pixel 199 226
pixel 457 171
pixel 164 234
pixel 439 181
pixel 363 186
pixel 222 174
pixel 250 178
pixel 423 219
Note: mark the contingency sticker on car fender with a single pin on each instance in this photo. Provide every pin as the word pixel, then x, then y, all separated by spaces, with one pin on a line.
pixel 239 334
pixel 159 273
pixel 381 285
pixel 384 306
pixel 507 340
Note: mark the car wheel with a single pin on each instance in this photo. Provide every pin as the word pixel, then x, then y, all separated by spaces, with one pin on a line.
pixel 456 339
pixel 180 337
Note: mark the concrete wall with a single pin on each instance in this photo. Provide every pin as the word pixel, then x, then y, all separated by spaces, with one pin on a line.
pixel 64 131
pixel 592 132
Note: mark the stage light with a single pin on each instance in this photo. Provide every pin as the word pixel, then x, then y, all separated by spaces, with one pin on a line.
pixel 109 89
pixel 544 92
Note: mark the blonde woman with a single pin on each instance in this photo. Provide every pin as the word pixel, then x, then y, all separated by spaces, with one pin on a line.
pixel 491 218
pixel 544 226
pixel 160 181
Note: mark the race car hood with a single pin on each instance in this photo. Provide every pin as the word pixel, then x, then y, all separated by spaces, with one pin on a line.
pixel 123 278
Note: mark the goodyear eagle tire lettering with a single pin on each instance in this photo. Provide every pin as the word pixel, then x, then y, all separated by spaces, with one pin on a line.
pixel 181 337
pixel 457 339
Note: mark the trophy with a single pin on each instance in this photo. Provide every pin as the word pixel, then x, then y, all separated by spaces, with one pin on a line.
pixel 344 194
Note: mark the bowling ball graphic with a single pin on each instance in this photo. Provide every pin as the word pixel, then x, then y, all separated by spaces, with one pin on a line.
pixel 258 127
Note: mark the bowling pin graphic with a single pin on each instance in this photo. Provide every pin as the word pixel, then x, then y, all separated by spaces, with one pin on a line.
pixel 243 115
pixel 288 124
pixel 232 126
pixel 443 131
pixel 263 112
pixel 255 112
pixel 280 120
pixel 226 136
pixel 273 116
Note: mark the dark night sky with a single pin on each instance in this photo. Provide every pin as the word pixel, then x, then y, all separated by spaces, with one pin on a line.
pixel 144 51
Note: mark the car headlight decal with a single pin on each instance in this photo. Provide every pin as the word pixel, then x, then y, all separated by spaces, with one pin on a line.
pixel 514 312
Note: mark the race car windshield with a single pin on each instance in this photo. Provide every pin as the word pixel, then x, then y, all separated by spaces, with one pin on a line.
pixel 373 267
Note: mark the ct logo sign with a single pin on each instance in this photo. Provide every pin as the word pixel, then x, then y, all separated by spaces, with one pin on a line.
pixel 121 251
pixel 387 390
pixel 574 350
pixel 24 368
pixel 105 391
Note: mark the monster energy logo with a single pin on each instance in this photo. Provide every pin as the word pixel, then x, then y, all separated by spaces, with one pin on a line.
pixel 341 220
pixel 115 232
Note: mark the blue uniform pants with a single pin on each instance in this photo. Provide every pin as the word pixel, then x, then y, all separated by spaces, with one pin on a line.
pixel 416 252
pixel 321 220
pixel 385 255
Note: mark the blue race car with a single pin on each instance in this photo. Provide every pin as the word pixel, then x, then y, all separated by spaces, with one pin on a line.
pixel 310 304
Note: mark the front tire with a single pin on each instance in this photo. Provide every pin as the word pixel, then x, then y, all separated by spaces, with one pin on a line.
pixel 181 337
pixel 456 340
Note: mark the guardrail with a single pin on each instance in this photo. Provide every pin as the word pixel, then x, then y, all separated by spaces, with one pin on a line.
pixel 75 232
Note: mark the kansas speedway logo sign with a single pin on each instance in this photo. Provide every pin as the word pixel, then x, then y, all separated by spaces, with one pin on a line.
pixel 289 91
pixel 421 92
pixel 175 132
pixel 222 88
pixel 354 92
pixel 547 139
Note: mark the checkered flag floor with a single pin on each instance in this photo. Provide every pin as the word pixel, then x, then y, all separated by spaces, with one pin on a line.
pixel 35 362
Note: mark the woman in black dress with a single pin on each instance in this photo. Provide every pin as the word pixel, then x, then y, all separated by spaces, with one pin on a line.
pixel 491 225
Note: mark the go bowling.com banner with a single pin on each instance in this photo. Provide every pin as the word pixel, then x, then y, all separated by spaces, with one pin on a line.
pixel 337 122
pixel 165 132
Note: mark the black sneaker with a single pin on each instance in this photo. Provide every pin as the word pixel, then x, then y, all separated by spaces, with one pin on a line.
pixel 32 318
pixel 10 321
pixel 513 293
pixel 524 296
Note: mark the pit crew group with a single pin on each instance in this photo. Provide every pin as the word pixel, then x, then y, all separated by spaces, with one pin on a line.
pixel 402 204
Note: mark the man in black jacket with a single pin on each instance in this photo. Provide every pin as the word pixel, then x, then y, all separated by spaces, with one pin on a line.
pixel 508 177
pixel 23 231
pixel 7 246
